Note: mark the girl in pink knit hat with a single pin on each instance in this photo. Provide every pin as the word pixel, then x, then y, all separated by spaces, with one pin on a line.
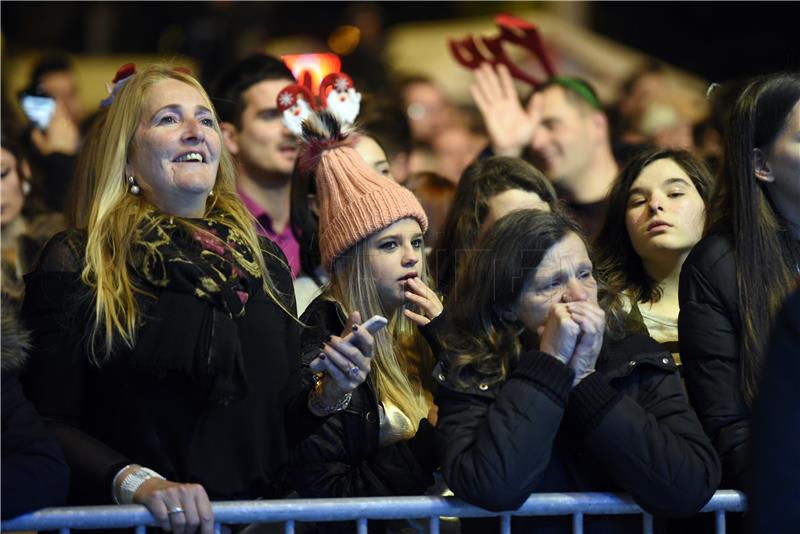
pixel 371 243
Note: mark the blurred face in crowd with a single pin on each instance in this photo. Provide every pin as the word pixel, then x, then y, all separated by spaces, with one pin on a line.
pixel 175 151
pixel 263 145
pixel 11 197
pixel 783 165
pixel 563 275
pixel 426 108
pixel 62 86
pixel 566 137
pixel 456 147
pixel 510 200
pixel 373 154
pixel 665 212
pixel 394 254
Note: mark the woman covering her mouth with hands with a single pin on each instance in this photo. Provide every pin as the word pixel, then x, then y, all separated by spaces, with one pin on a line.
pixel 541 389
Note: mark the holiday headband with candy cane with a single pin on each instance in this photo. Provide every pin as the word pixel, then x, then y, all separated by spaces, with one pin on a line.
pixel 337 94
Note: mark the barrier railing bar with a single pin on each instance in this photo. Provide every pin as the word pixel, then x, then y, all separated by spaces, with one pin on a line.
pixel 314 510
pixel 288 527
pixel 217 528
pixel 505 524
pixel 63 531
pixel 647 523
pixel 433 525
pixel 719 521
pixel 577 523
pixel 361 525
pixel 141 529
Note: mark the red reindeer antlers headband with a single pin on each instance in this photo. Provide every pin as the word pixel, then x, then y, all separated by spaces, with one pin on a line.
pixel 512 30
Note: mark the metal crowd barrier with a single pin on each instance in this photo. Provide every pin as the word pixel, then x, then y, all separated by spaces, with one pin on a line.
pixel 364 509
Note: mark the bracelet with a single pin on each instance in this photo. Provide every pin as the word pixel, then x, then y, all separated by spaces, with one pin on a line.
pixel 321 410
pixel 131 483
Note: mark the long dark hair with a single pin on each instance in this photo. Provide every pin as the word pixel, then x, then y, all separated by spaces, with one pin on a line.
pixel 483 341
pixel 620 265
pixel 765 251
pixel 481 181
pixel 304 223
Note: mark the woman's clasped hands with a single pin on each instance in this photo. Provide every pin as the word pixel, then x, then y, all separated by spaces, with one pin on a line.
pixel 573 333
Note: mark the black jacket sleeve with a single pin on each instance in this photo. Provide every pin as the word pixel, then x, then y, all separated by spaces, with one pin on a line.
pixel 55 380
pixel 495 443
pixel 342 458
pixel 35 474
pixel 709 341
pixel 330 464
pixel 300 422
pixel 776 440
pixel 648 442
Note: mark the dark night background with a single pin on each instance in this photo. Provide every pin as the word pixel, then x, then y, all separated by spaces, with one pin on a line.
pixel 715 40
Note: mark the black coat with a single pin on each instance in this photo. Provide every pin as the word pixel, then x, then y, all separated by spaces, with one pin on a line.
pixel 343 458
pixel 776 440
pixel 710 336
pixel 627 427
pixel 137 409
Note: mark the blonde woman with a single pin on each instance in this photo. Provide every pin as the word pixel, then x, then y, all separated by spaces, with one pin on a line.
pixel 166 354
pixel 371 244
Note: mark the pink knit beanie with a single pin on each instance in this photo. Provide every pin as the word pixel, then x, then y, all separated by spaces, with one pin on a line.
pixel 354 200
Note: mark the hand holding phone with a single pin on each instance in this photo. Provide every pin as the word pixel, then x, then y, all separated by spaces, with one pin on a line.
pixel 373 325
pixel 38 108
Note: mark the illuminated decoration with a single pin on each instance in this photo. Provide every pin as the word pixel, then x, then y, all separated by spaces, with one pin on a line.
pixel 310 69
pixel 344 40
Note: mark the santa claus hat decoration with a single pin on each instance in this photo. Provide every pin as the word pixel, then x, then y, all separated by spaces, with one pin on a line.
pixel 337 94
pixel 295 102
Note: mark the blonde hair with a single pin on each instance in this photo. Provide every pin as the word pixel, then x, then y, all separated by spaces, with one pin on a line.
pixel 402 364
pixel 115 212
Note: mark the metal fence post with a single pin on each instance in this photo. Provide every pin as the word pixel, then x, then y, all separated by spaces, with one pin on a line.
pixel 719 522
pixel 577 523
pixel 647 523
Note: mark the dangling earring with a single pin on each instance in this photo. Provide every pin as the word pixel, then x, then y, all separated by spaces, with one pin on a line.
pixel 134 189
pixel 26 188
pixel 211 193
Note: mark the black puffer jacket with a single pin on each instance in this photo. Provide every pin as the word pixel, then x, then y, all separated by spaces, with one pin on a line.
pixel 342 458
pixel 710 334
pixel 627 427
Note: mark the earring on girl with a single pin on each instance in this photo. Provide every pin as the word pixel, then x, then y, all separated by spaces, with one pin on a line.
pixel 26 187
pixel 134 189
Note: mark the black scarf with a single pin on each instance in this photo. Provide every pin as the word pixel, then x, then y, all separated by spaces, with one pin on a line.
pixel 178 263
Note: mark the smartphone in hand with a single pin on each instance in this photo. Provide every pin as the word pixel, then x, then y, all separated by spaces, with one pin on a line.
pixel 38 107
pixel 373 325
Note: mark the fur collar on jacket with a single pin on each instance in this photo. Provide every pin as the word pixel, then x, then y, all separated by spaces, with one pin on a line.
pixel 16 340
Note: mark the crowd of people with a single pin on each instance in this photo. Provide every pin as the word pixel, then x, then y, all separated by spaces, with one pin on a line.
pixel 575 297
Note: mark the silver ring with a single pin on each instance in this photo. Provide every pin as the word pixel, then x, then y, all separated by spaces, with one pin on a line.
pixel 354 372
pixel 176 510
